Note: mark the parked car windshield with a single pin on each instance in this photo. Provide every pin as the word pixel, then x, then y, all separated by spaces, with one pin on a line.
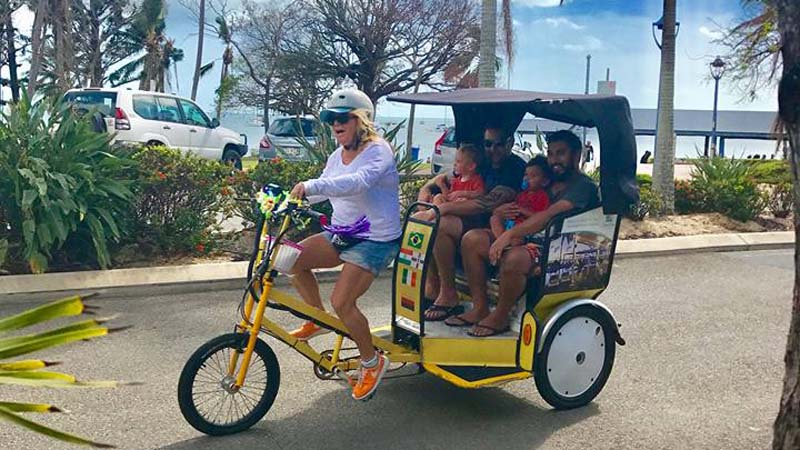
pixel 289 127
pixel 105 102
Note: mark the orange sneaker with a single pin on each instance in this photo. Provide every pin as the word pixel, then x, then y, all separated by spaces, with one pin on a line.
pixel 369 378
pixel 308 330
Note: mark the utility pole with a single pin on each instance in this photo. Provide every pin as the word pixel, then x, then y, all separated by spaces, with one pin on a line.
pixel 586 91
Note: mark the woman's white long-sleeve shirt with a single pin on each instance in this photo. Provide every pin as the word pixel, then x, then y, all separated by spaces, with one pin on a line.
pixel 368 186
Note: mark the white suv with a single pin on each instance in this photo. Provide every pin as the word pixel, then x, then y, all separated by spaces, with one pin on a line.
pixel 155 118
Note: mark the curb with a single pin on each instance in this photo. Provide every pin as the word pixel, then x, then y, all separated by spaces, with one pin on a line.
pixel 231 274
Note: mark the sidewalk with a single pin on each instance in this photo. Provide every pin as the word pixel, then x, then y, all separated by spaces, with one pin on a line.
pixel 234 272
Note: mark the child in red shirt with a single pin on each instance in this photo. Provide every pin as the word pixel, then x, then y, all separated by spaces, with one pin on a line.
pixel 466 183
pixel 531 200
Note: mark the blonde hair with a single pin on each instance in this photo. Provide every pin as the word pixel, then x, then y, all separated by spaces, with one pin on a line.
pixel 365 129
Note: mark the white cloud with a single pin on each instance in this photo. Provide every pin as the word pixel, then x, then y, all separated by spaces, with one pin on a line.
pixel 589 44
pixel 558 22
pixel 709 33
pixel 539 3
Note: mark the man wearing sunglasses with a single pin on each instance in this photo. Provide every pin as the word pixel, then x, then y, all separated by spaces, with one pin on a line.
pixel 570 189
pixel 503 177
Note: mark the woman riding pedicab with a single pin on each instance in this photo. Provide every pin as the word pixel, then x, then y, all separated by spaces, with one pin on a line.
pixel 361 180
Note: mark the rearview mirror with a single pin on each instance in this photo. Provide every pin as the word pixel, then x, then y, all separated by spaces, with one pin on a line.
pixel 214 122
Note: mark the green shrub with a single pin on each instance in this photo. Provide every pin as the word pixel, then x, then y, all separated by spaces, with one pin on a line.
pixel 177 199
pixel 62 186
pixel 780 200
pixel 687 200
pixel 644 180
pixel 771 171
pixel 595 175
pixel 650 204
pixel 727 186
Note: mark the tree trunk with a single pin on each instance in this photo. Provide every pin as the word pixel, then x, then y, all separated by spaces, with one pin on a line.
pixel 96 59
pixel 487 62
pixel 198 62
pixel 11 50
pixel 266 106
pixel 786 430
pixel 664 168
pixel 36 45
pixel 227 59
pixel 64 52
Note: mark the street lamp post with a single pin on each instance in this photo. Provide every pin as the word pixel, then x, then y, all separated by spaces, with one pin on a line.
pixel 717 69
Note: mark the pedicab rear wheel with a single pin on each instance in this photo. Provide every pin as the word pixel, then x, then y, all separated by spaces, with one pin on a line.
pixel 207 396
pixel 576 358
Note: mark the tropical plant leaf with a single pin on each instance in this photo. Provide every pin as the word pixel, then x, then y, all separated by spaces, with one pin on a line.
pixel 12 417
pixel 39 343
pixel 56 383
pixel 30 407
pixel 27 364
pixel 38 375
pixel 69 306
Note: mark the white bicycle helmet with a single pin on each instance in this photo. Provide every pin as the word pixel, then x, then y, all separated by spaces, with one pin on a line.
pixel 344 101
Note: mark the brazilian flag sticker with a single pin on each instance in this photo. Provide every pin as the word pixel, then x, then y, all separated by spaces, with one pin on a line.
pixel 415 240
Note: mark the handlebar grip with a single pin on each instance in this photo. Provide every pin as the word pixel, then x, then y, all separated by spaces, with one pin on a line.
pixel 322 218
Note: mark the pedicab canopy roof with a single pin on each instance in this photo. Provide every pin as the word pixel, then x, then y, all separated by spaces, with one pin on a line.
pixel 476 109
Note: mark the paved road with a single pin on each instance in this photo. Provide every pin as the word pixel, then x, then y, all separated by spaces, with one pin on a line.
pixel 702 370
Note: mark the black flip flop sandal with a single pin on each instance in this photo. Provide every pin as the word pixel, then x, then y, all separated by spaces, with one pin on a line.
pixel 462 322
pixel 448 311
pixel 494 331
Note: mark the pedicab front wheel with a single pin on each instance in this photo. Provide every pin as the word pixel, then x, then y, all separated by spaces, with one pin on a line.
pixel 576 358
pixel 207 394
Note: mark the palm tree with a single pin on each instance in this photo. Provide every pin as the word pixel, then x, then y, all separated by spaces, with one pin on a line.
pixel 201 21
pixel 488 63
pixel 40 20
pixel 664 169
pixel 488 47
pixel 147 33
pixel 225 34
pixel 786 430
pixel 10 37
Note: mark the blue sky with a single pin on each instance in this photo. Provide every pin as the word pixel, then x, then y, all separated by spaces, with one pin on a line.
pixel 552 44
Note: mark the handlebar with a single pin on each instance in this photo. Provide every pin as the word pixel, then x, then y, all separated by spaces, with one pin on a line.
pixel 322 218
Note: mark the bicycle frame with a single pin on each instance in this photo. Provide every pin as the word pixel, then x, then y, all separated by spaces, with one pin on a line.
pixel 253 322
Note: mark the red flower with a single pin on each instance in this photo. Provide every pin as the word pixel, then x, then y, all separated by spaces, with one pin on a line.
pixel 161 175
pixel 200 248
pixel 275 160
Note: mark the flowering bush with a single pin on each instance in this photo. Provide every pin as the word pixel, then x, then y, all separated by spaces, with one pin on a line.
pixel 178 199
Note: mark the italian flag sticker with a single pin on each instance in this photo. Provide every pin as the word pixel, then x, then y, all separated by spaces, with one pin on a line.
pixel 409 278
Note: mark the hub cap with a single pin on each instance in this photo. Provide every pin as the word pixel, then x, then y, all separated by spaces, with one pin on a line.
pixel 576 358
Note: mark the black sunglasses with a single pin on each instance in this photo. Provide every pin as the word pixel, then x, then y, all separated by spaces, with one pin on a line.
pixel 341 118
pixel 498 143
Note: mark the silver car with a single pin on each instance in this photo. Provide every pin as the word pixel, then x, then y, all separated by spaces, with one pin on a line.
pixel 282 138
pixel 444 151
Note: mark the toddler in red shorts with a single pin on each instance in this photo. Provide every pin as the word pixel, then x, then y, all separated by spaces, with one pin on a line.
pixel 466 183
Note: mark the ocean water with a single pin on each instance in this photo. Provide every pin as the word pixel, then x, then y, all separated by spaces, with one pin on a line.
pixel 428 130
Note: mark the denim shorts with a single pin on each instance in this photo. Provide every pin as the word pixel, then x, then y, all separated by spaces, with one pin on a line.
pixel 369 255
